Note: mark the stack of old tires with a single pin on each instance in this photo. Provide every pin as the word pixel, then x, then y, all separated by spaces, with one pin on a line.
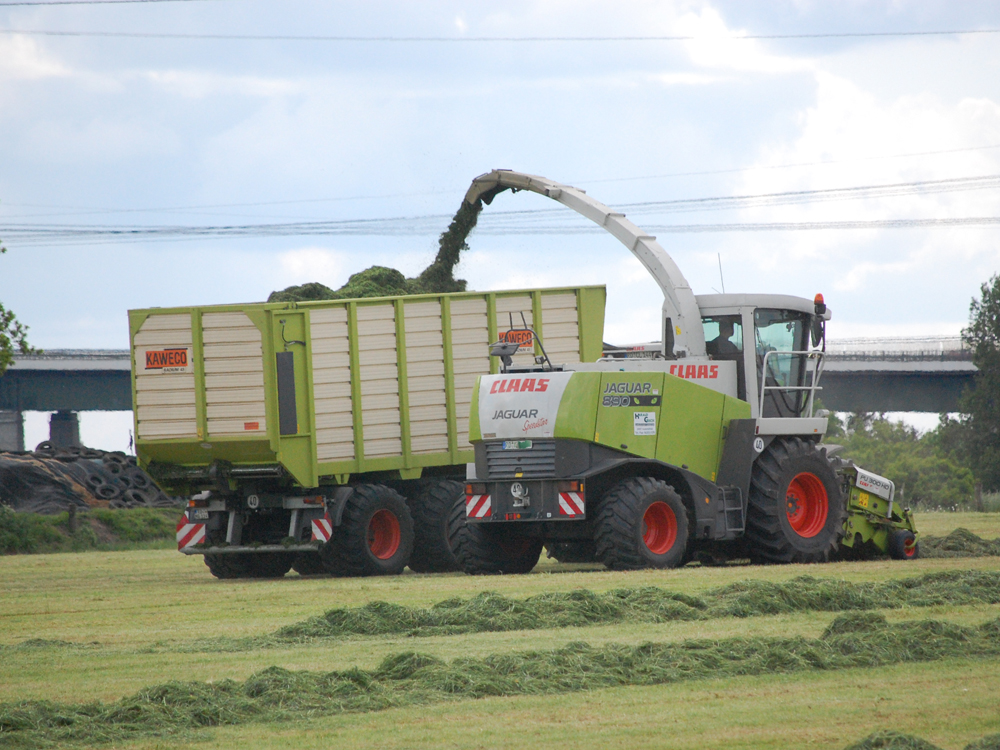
pixel 51 478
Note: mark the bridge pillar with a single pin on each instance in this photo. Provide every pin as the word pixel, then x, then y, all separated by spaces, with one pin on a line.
pixel 64 429
pixel 11 431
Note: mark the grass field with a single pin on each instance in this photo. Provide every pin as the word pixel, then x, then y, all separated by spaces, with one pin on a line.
pixel 111 623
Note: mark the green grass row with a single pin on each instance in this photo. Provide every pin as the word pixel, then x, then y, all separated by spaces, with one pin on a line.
pixel 490 611
pixel 96 529
pixel 860 639
pixel 893 740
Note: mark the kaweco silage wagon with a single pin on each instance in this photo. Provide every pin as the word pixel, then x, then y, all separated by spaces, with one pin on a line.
pixel 330 436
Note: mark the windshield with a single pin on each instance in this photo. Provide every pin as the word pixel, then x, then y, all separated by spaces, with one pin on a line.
pixel 781 331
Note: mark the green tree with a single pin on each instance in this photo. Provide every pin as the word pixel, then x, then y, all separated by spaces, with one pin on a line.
pixel 925 472
pixel 981 405
pixel 13 335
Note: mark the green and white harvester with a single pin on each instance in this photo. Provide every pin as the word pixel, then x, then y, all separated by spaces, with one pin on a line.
pixel 704 446
pixel 470 430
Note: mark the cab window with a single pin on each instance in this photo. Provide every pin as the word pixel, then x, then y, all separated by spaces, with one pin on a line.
pixel 781 331
pixel 724 340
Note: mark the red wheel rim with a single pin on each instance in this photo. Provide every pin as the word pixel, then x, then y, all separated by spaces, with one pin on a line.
pixel 910 547
pixel 383 534
pixel 659 528
pixel 807 505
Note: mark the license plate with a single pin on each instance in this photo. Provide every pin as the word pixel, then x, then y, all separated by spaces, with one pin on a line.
pixel 514 445
pixel 199 514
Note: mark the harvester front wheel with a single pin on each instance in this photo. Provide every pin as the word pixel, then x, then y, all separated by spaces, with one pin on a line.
pixel 903 545
pixel 375 536
pixel 431 508
pixel 641 523
pixel 795 512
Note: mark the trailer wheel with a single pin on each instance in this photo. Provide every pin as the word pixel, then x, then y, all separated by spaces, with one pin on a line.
pixel 308 564
pixel 795 512
pixel 375 536
pixel 431 509
pixel 903 545
pixel 641 523
pixel 577 551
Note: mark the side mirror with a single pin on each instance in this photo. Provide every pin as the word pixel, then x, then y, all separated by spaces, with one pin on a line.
pixel 818 330
pixel 505 350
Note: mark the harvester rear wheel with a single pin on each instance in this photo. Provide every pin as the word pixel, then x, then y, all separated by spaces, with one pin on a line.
pixel 485 549
pixel 375 536
pixel 227 566
pixel 795 512
pixel 308 564
pixel 903 545
pixel 431 509
pixel 641 523
pixel 268 564
pixel 577 551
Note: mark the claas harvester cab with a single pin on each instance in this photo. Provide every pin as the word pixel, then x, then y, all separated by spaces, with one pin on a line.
pixel 705 445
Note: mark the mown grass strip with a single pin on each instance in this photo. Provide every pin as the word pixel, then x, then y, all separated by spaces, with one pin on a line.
pixel 861 639
pixel 892 740
pixel 959 543
pixel 494 612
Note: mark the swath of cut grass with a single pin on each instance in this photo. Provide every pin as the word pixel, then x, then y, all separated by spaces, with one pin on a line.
pixel 851 640
pixel 493 612
pixel 959 543
pixel 892 740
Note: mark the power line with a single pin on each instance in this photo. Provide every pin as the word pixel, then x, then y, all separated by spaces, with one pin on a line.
pixel 72 235
pixel 85 210
pixel 482 39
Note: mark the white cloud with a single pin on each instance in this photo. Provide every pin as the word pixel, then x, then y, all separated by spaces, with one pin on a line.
pixel 309 264
pixel 196 84
pixel 21 58
pixel 715 48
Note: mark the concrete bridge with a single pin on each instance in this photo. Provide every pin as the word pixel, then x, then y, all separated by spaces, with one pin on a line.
pixel 917 374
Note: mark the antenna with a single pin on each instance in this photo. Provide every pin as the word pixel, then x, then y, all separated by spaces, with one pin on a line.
pixel 719 256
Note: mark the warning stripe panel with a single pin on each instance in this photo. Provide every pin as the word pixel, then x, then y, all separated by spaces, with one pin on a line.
pixel 189 534
pixel 478 506
pixel 571 504
pixel 322 529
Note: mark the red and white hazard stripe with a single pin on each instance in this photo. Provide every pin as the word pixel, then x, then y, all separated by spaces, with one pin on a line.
pixel 189 534
pixel 571 504
pixel 322 529
pixel 478 506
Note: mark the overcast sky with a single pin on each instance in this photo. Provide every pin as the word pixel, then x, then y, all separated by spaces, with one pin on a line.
pixel 143 131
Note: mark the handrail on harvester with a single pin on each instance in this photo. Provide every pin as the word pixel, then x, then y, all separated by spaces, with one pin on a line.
pixel 679 304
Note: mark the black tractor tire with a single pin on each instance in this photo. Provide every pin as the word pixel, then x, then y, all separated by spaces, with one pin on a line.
pixel 796 510
pixel 903 545
pixel 227 566
pixel 642 523
pixel 488 549
pixel 375 536
pixel 576 551
pixel 309 564
pixel 431 509
pixel 269 564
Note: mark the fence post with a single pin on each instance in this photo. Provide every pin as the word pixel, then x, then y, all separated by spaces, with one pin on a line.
pixel 71 523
